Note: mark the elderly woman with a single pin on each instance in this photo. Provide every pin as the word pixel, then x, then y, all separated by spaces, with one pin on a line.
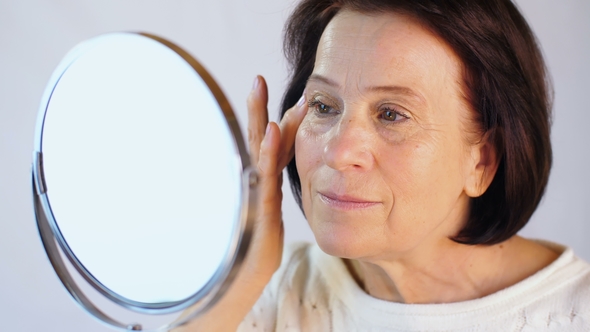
pixel 418 148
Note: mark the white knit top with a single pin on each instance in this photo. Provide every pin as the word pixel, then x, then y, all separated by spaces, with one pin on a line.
pixel 313 291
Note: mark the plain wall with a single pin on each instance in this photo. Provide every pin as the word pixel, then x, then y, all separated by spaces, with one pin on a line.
pixel 235 40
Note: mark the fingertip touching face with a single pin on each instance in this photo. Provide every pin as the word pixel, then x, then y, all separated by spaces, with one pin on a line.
pixel 382 152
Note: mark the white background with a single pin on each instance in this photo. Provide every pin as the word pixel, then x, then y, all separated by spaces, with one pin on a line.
pixel 235 39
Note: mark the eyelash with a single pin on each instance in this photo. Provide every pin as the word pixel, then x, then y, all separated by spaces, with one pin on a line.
pixel 397 114
pixel 316 104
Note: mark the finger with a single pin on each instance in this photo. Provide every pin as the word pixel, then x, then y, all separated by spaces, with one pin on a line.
pixel 269 175
pixel 268 230
pixel 269 148
pixel 289 125
pixel 257 117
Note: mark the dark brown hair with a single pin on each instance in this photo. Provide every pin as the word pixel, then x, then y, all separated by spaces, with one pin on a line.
pixel 505 83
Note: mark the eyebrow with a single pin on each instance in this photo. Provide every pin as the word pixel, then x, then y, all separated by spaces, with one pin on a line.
pixel 380 88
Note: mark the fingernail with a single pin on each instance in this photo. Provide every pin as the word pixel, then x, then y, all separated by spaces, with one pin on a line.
pixel 265 139
pixel 256 82
pixel 301 101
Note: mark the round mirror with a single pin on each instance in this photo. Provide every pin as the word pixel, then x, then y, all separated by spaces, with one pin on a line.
pixel 141 177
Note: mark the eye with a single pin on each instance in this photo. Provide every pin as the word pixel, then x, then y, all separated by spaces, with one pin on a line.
pixel 391 115
pixel 320 108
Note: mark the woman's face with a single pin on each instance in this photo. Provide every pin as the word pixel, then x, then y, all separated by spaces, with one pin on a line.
pixel 383 151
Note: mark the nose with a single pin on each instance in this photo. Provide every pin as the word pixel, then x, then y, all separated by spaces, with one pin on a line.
pixel 349 144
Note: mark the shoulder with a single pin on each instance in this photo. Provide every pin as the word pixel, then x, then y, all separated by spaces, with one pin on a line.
pixel 313 291
pixel 559 295
pixel 300 273
pixel 298 296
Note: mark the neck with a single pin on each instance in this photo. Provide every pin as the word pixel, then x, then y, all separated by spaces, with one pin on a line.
pixel 450 272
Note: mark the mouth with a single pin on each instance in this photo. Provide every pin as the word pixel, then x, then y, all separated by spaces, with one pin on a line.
pixel 344 202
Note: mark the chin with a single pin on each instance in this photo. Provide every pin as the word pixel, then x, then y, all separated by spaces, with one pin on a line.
pixel 339 241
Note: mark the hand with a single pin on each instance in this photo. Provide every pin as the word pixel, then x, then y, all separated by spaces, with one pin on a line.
pixel 272 146
pixel 271 149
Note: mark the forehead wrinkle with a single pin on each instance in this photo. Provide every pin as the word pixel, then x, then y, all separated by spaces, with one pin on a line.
pixel 371 45
pixel 398 90
pixel 361 36
pixel 329 50
pixel 367 41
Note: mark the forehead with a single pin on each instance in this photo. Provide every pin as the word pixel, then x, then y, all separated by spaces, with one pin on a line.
pixel 384 48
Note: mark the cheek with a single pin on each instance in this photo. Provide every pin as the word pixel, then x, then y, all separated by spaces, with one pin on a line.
pixel 428 160
pixel 427 184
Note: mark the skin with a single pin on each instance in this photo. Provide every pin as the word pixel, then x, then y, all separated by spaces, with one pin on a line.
pixel 386 172
pixel 387 166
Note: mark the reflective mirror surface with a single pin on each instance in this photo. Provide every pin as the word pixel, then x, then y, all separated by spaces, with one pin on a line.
pixel 142 172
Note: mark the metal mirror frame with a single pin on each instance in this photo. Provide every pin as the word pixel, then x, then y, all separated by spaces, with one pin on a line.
pixel 54 242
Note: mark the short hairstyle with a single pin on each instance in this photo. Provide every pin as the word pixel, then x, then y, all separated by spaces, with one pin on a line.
pixel 505 84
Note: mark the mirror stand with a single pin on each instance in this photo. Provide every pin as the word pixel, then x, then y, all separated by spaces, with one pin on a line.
pixel 142 181
pixel 60 267
pixel 54 254
pixel 67 279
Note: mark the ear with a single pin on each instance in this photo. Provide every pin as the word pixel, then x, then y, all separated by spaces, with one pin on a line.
pixel 484 165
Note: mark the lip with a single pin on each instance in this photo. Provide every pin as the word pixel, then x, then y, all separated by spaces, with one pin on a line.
pixel 345 202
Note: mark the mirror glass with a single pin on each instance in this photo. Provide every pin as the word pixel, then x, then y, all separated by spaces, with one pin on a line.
pixel 142 172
